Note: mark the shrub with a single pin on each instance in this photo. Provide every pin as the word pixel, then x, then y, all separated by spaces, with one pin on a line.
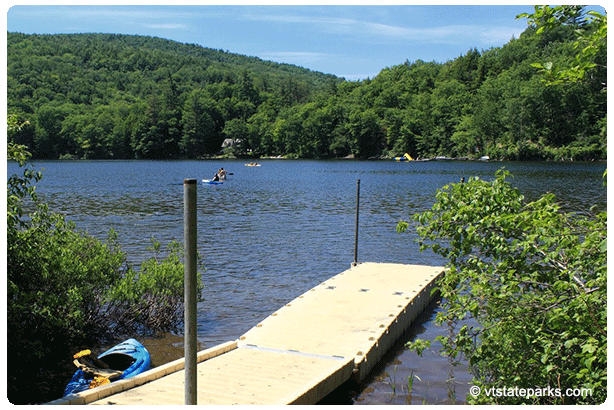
pixel 66 289
pixel 535 281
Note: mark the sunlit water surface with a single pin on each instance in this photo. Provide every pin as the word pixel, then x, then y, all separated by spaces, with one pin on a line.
pixel 272 232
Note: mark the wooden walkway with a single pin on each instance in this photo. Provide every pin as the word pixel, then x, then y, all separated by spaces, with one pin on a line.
pixel 336 331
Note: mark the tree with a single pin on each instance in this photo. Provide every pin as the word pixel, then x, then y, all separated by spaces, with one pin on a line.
pixel 202 125
pixel 449 102
pixel 591 40
pixel 533 278
pixel 148 140
pixel 366 133
pixel 20 188
pixel 48 126
pixel 293 91
pixel 246 90
pixel 115 96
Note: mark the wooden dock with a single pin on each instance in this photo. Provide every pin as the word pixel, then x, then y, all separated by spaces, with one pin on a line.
pixel 338 330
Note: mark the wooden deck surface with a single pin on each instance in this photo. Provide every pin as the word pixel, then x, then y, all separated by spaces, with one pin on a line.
pixel 336 331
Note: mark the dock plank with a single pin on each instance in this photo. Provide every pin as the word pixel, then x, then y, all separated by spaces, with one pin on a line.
pixel 243 376
pixel 353 310
pixel 338 330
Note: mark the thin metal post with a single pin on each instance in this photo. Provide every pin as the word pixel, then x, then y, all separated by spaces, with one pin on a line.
pixel 357 212
pixel 189 240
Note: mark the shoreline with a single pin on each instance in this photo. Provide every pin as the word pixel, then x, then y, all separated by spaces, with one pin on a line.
pixel 283 158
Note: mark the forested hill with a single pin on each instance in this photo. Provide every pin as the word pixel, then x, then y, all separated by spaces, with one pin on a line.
pixel 119 96
pixel 123 96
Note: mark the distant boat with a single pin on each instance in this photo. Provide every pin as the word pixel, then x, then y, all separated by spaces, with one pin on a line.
pixel 485 158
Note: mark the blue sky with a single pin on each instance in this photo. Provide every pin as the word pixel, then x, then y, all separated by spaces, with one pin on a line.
pixel 351 41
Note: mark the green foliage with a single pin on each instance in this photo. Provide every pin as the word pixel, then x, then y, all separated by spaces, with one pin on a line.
pixel 57 280
pixel 535 281
pixel 89 286
pixel 19 187
pixel 591 40
pixel 66 288
pixel 152 298
pixel 117 96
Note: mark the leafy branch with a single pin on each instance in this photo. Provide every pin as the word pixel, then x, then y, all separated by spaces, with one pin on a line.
pixel 531 278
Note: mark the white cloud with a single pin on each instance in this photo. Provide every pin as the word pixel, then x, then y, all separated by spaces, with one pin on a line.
pixel 446 34
pixel 167 26
pixel 103 13
pixel 499 35
pixel 450 34
pixel 293 18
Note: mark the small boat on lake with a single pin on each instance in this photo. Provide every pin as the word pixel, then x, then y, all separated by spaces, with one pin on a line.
pixel 218 178
pixel 212 182
pixel 125 360
pixel 252 164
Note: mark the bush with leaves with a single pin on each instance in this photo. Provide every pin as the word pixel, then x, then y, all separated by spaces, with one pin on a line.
pixel 67 290
pixel 152 298
pixel 534 279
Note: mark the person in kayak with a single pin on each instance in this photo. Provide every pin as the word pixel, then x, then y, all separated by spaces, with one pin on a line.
pixel 216 177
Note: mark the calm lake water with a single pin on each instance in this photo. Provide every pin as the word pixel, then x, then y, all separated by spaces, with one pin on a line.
pixel 270 233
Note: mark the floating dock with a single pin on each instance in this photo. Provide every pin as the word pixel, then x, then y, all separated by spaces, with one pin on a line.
pixel 337 331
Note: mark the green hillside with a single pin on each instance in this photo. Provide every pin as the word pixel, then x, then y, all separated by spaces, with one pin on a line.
pixel 119 96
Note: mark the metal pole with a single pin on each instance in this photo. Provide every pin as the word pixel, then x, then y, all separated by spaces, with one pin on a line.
pixel 189 240
pixel 356 235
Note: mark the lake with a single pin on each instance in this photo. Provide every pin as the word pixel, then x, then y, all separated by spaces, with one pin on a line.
pixel 272 232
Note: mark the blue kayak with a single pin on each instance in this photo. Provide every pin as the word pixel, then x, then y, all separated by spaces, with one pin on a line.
pixel 212 182
pixel 122 361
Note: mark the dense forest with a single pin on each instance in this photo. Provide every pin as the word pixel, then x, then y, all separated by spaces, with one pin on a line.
pixel 105 96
